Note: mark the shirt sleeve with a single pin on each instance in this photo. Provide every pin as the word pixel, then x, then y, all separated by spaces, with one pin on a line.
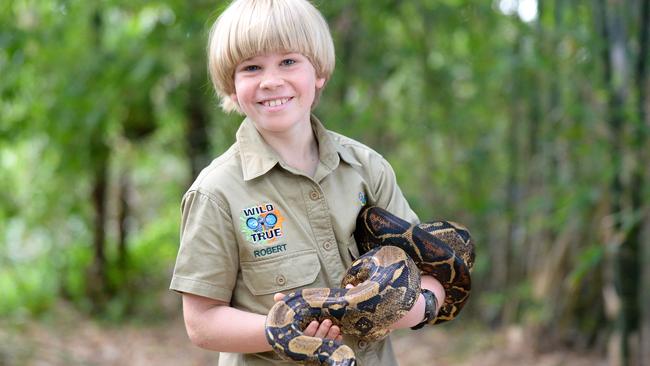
pixel 387 193
pixel 208 257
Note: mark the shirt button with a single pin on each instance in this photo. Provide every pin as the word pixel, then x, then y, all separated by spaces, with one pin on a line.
pixel 362 344
pixel 280 280
pixel 314 195
pixel 327 245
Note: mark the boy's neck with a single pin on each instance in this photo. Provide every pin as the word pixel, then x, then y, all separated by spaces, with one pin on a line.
pixel 298 148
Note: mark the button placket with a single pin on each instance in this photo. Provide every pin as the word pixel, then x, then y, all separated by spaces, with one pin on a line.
pixel 327 245
pixel 319 216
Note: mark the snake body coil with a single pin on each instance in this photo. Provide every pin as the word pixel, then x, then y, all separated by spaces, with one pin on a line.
pixel 387 283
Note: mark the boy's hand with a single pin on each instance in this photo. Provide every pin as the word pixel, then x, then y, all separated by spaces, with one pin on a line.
pixel 323 330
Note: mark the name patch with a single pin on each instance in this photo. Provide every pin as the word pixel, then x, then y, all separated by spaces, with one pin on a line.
pixel 270 250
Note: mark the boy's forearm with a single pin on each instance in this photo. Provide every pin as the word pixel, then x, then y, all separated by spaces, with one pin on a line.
pixel 223 328
pixel 219 327
pixel 416 314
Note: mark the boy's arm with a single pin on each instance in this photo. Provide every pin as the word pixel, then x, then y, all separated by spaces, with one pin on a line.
pixel 214 325
pixel 416 314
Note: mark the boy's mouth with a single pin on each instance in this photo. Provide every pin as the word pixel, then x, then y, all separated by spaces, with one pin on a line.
pixel 275 102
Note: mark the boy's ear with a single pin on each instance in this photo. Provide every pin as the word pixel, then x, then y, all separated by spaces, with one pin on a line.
pixel 320 82
pixel 233 96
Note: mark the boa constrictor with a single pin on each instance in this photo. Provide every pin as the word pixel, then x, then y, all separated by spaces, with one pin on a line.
pixel 386 280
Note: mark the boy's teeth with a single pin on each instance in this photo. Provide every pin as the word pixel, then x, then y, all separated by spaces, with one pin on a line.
pixel 275 102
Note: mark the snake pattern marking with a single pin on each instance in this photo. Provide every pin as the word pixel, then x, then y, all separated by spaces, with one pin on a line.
pixel 386 280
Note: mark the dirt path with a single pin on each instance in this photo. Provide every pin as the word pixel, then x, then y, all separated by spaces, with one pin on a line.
pixel 71 340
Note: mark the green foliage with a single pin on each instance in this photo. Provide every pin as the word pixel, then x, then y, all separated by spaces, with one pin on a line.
pixel 74 262
pixel 588 262
pixel 139 283
pixel 487 120
pixel 27 288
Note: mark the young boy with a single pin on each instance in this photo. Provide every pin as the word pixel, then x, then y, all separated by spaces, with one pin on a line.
pixel 276 212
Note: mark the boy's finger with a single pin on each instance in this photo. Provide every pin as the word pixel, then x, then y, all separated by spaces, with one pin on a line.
pixel 278 296
pixel 334 332
pixel 323 329
pixel 311 329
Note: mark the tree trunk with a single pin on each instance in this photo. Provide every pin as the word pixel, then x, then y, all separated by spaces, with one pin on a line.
pixel 503 265
pixel 640 236
pixel 197 143
pixel 97 280
pixel 122 220
pixel 623 263
pixel 346 25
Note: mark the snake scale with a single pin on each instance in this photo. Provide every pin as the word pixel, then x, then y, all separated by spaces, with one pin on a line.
pixel 386 280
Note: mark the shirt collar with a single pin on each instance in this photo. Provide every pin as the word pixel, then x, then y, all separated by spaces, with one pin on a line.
pixel 330 149
pixel 257 157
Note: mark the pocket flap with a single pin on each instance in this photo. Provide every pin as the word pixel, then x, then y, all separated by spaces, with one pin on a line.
pixel 277 274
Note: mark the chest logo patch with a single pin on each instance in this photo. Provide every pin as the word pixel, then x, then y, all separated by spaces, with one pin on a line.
pixel 362 198
pixel 262 224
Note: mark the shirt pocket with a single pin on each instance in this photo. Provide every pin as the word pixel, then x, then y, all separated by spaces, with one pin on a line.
pixel 277 274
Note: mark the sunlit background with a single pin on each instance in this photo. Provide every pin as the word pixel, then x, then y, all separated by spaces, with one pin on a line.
pixel 525 9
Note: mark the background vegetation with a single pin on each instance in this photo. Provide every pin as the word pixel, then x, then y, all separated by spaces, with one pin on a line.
pixel 527 121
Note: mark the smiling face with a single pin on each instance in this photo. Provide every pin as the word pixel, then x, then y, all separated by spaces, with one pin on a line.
pixel 276 90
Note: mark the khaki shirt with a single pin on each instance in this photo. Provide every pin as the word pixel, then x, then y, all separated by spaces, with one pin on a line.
pixel 253 226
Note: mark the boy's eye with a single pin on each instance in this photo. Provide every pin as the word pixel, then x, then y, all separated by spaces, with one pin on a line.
pixel 288 62
pixel 250 68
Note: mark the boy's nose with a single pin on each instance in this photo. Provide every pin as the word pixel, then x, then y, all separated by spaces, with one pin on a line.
pixel 270 81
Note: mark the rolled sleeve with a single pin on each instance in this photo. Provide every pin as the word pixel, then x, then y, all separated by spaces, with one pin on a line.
pixel 208 259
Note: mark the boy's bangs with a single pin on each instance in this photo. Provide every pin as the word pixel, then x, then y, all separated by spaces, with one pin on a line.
pixel 279 31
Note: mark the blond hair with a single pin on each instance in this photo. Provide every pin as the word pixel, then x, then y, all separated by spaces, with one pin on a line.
pixel 248 28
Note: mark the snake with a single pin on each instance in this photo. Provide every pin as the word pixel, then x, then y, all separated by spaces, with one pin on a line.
pixel 385 283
